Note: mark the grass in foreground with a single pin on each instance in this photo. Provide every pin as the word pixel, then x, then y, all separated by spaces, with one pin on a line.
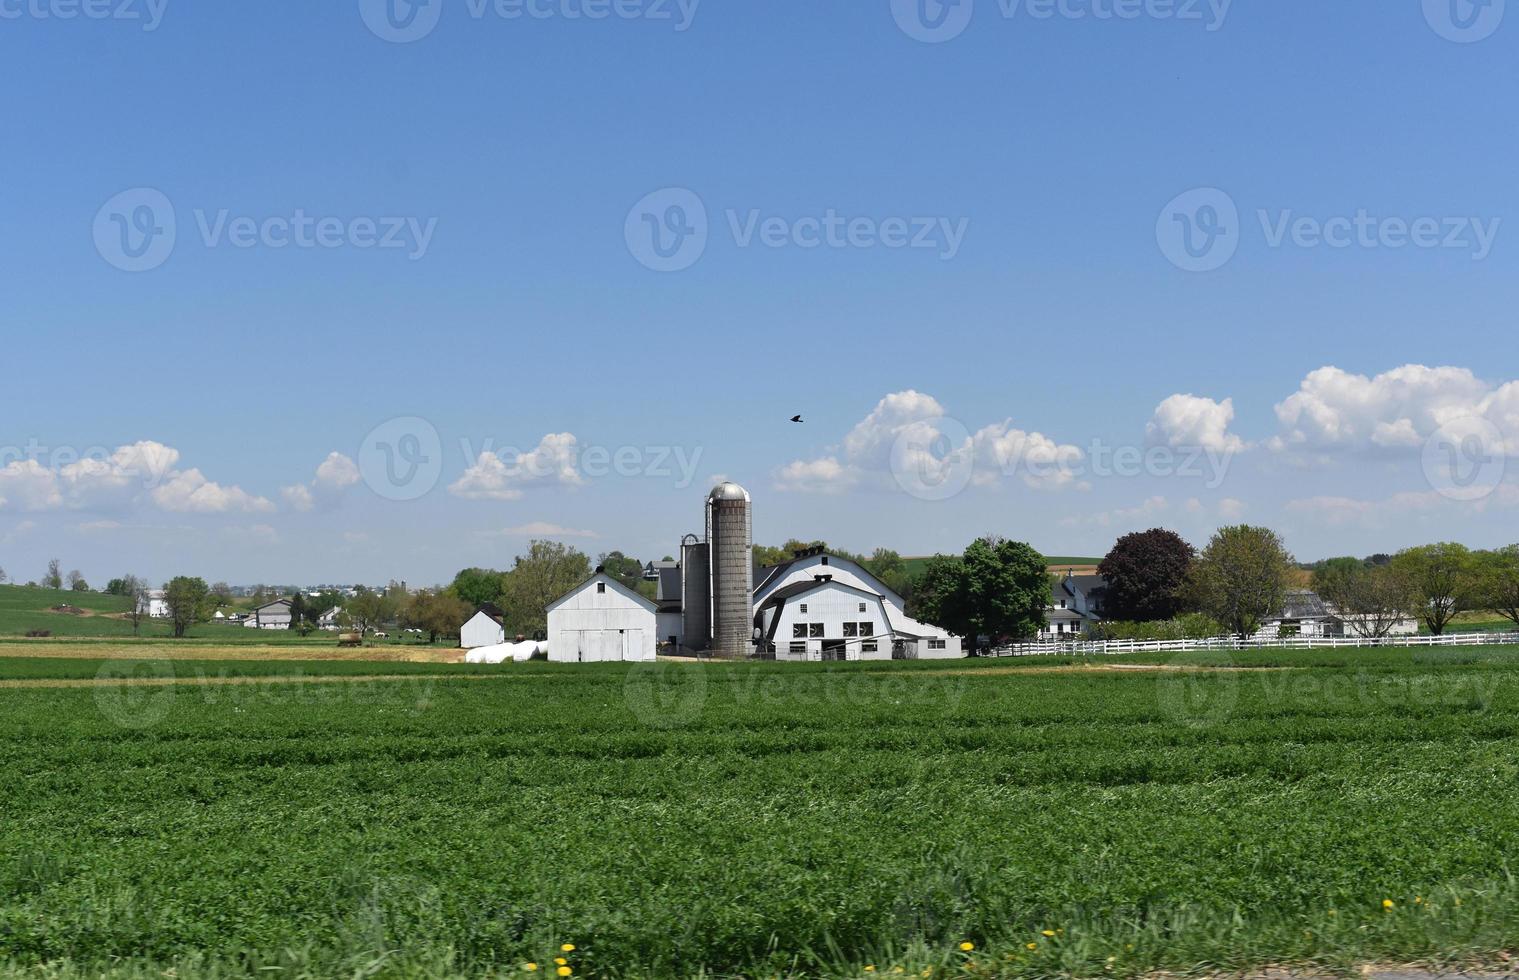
pixel 766 819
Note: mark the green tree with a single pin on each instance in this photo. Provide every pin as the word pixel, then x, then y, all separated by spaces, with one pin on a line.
pixel 891 569
pixel 1147 576
pixel 1241 578
pixel 1370 599
pixel 54 577
pixel 1499 575
pixel 628 571
pixel 437 614
pixel 1443 580
pixel 370 610
pixel 478 586
pixel 187 599
pixel 998 589
pixel 546 572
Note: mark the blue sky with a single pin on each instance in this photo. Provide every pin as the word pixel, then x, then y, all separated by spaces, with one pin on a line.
pixel 526 147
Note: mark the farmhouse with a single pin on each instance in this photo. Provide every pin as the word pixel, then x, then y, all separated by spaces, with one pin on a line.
pixel 601 620
pixel 486 628
pixel 329 619
pixel 1075 606
pixel 153 604
pixel 274 615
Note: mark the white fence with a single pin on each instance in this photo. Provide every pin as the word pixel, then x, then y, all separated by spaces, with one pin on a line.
pixel 1104 648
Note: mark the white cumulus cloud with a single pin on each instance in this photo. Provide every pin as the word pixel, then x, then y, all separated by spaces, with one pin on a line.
pixel 506 476
pixel 545 529
pixel 335 474
pixel 1334 410
pixel 1194 422
pixel 128 476
pixel 913 431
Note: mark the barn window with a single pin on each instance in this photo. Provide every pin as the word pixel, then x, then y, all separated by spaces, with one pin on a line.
pixel 799 648
pixel 869 646
pixel 862 607
pixel 804 608
pixel 799 631
pixel 867 629
pixel 601 588
pixel 815 630
pixel 851 630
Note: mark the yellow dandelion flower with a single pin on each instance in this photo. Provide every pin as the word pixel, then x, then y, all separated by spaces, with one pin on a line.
pixel 530 967
pixel 564 971
pixel 967 947
pixel 561 961
pixel 1048 933
pixel 1418 899
pixel 1389 904
pixel 567 948
pixel 1032 946
pixel 1333 913
pixel 870 969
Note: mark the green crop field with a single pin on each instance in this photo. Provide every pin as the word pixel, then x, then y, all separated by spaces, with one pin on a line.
pixel 1063 818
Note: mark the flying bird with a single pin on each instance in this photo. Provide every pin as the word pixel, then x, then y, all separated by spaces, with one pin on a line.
pixel 796 418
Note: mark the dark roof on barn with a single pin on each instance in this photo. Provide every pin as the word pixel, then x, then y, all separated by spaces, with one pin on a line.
pixel 493 611
pixel 1305 605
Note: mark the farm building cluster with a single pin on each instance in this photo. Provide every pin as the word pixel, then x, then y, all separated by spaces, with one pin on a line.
pixel 715 601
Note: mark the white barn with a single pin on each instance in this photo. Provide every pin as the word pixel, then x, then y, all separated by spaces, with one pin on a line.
pixel 602 620
pixel 276 615
pixel 822 607
pixel 486 628
pixel 153 604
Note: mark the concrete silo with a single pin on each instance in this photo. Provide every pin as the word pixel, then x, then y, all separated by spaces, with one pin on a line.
pixel 730 550
pixel 695 593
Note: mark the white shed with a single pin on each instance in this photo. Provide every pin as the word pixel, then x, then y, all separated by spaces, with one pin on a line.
pixel 486 628
pixel 601 620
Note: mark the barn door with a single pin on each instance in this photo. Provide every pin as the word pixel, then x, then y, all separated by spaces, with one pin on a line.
pixel 632 645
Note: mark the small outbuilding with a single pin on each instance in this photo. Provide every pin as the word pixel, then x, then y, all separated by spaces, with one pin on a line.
pixel 486 628
pixel 602 620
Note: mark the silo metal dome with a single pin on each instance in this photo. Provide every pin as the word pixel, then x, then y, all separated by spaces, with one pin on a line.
pixel 728 491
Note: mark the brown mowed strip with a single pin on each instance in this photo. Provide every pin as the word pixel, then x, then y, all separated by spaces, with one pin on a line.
pixel 56 683
pixel 168 650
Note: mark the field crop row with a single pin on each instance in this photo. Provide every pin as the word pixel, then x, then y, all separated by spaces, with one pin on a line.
pixel 756 820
